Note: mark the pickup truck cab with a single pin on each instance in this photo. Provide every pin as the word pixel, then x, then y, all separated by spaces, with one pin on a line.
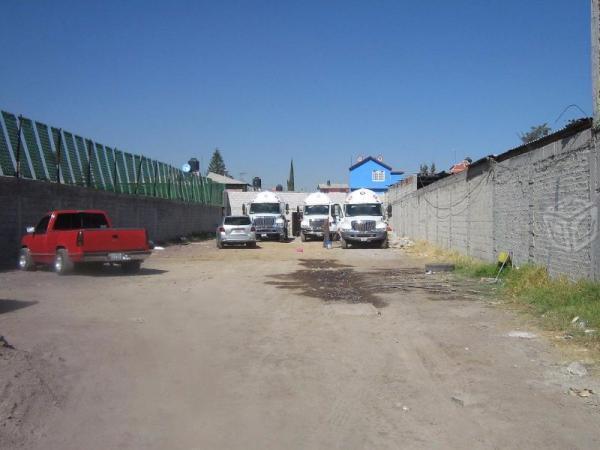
pixel 67 238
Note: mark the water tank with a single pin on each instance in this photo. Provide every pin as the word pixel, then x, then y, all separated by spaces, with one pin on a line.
pixel 256 182
pixel 194 164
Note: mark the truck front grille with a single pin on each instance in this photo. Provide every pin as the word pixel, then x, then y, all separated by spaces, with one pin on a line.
pixel 264 222
pixel 367 225
pixel 316 224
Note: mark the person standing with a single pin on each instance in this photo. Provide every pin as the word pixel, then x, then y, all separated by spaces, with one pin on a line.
pixel 326 235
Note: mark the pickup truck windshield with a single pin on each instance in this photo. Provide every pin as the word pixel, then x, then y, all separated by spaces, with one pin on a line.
pixel 237 221
pixel 265 208
pixel 76 221
pixel 367 209
pixel 313 210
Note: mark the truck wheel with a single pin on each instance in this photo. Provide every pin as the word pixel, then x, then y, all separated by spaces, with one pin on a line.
pixel 131 267
pixel 62 263
pixel 25 260
pixel 344 242
pixel 302 237
pixel 251 244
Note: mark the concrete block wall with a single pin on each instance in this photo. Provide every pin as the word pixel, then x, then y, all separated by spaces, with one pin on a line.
pixel 23 203
pixel 541 205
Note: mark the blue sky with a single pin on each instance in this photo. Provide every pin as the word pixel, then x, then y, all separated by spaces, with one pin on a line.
pixel 321 81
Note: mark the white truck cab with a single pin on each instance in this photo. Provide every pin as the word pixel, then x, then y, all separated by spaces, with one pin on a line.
pixel 268 214
pixel 363 219
pixel 318 208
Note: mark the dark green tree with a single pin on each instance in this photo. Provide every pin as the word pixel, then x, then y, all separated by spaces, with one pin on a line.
pixel 432 168
pixel 423 169
pixel 290 181
pixel 535 133
pixel 217 165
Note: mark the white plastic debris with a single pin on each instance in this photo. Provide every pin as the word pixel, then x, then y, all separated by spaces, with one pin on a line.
pixel 522 334
pixel 577 369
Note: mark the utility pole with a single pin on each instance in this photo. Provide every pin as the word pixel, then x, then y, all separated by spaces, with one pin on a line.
pixel 596 61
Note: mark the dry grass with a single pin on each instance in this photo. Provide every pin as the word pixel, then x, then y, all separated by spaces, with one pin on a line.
pixel 553 302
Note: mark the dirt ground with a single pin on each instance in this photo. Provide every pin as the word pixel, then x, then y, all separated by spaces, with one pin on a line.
pixel 278 348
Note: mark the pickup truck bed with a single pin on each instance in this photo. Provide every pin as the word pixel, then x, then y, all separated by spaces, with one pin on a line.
pixel 68 238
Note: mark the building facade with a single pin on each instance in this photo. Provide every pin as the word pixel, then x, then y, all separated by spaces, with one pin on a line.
pixel 373 173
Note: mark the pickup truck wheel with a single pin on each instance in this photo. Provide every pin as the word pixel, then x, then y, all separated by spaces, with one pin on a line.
pixel 131 266
pixel 251 244
pixel 62 263
pixel 25 260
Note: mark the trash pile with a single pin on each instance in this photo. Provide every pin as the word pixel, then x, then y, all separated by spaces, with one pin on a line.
pixel 399 242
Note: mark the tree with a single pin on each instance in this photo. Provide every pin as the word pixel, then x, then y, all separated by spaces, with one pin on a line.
pixel 279 188
pixel 432 169
pixel 535 133
pixel 423 169
pixel 290 181
pixel 217 165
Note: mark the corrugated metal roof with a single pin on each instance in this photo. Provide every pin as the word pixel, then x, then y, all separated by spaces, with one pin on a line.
pixel 222 179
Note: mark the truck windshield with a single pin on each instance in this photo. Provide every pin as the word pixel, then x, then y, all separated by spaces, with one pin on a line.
pixel 76 221
pixel 313 210
pixel 268 208
pixel 367 209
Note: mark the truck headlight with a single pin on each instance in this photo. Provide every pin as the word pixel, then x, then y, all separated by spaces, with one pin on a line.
pixel 381 226
pixel 279 221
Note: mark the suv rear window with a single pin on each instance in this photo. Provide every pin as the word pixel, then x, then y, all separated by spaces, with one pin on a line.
pixel 76 221
pixel 237 221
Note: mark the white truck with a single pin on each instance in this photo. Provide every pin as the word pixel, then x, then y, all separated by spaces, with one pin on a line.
pixel 268 214
pixel 363 219
pixel 318 208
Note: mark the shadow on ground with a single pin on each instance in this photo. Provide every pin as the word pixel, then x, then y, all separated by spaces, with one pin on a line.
pixel 7 306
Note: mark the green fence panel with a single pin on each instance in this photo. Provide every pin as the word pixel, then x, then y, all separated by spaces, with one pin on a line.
pixel 123 181
pixel 104 171
pixel 50 157
pixel 66 167
pixel 33 149
pixel 6 160
pixel 12 128
pixel 76 163
pixel 112 168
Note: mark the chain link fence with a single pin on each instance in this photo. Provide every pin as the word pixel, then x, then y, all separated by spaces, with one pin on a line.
pixel 34 150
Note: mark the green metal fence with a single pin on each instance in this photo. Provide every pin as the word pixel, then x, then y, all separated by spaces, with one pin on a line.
pixel 31 149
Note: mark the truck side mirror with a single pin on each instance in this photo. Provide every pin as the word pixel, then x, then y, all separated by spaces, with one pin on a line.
pixel 244 209
pixel 30 230
pixel 389 210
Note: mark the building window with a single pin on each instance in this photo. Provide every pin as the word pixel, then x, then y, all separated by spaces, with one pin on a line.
pixel 378 175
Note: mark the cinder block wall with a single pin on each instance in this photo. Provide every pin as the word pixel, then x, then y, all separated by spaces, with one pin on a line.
pixel 542 206
pixel 23 202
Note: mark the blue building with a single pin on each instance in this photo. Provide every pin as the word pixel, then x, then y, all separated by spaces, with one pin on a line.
pixel 373 173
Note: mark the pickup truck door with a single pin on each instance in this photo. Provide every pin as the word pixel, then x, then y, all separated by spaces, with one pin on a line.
pixel 37 244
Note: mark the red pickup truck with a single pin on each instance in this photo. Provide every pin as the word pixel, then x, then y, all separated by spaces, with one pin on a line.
pixel 68 238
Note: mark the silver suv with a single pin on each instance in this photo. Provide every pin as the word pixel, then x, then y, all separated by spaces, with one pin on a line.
pixel 236 230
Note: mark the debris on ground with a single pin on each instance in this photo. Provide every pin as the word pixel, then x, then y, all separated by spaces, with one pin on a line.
pixel 439 267
pixel 400 242
pixel 522 334
pixel 488 280
pixel 579 323
pixel 158 247
pixel 581 392
pixel 577 369
pixel 4 343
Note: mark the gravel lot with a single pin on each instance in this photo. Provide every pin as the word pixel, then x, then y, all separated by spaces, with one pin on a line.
pixel 277 348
